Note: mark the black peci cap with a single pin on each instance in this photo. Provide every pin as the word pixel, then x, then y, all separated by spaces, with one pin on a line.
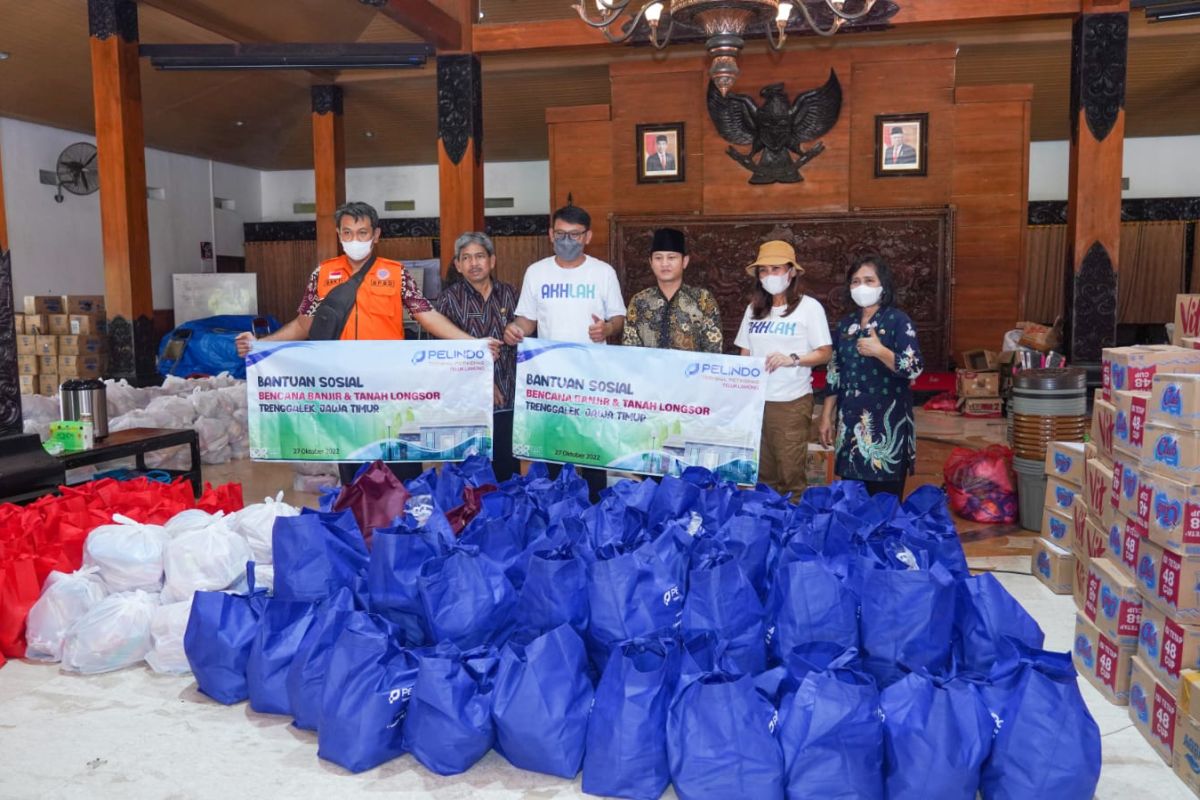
pixel 668 240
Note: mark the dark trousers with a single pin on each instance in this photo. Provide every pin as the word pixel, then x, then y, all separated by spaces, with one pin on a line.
pixel 895 487
pixel 405 471
pixel 503 463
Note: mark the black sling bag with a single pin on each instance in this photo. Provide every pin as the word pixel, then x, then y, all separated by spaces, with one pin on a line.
pixel 330 317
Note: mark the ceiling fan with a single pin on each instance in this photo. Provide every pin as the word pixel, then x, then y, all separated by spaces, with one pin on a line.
pixel 77 171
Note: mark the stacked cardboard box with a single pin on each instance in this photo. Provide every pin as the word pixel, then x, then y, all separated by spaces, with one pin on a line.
pixel 979 392
pixel 59 338
pixel 1053 561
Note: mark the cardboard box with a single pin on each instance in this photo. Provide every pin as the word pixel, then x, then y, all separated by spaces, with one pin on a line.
pixel 1095 540
pixel 819 469
pixel 1133 368
pixel 1097 485
pixel 1112 603
pixel 43 304
pixel 1053 566
pixel 1058 528
pixel 1189 693
pixel 83 304
pixel 59 324
pixel 981 360
pixel 1187 751
pixel 1038 337
pixel 1175 400
pixel 1168 646
pixel 1106 664
pixel 36 324
pixel 1133 553
pixel 1126 481
pixel 71 345
pixel 1174 520
pixel 1191 342
pixel 1104 416
pixel 1187 317
pixel 1130 421
pixel 971 383
pixel 28 365
pixel 981 407
pixel 48 383
pixel 88 325
pixel 1153 709
pixel 26 345
pixel 1172 452
pixel 79 366
pixel 47 345
pixel 1066 461
pixel 1079 584
pixel 1060 496
pixel 47 364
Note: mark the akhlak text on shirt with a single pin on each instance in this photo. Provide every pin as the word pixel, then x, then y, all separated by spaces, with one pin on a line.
pixel 569 291
pixel 772 327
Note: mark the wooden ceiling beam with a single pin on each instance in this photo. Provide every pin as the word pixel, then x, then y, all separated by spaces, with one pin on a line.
pixel 426 20
pixel 558 33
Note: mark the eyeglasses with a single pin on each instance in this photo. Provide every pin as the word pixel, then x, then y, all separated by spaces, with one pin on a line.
pixel 574 236
pixel 362 235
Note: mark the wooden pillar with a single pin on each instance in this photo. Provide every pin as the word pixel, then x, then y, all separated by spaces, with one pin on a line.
pixel 10 389
pixel 329 165
pixel 117 94
pixel 460 149
pixel 1099 51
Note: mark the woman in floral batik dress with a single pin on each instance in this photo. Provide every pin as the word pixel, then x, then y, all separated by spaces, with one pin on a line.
pixel 868 415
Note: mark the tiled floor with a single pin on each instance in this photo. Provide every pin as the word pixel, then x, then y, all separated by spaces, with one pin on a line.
pixel 133 734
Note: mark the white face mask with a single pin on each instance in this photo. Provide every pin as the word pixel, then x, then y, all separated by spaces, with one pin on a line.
pixel 775 284
pixel 866 296
pixel 356 250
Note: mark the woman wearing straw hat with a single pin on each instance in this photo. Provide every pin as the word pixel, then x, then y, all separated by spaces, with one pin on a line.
pixel 787 328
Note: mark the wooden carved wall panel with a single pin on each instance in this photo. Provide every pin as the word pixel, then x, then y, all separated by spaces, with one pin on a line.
pixel 917 243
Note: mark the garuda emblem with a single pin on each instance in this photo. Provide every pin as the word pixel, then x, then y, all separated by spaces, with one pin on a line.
pixel 777 128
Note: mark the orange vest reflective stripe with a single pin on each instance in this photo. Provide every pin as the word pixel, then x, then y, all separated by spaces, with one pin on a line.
pixel 378 311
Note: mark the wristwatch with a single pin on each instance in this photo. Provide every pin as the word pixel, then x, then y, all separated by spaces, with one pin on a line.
pixel 795 359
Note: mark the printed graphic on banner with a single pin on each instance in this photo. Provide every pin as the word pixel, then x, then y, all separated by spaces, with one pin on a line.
pixel 361 401
pixel 653 412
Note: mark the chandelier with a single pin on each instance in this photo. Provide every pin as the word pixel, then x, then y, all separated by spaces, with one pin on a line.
pixel 724 22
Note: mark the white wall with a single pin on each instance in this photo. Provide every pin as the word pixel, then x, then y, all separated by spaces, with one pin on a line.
pixel 56 246
pixel 527 182
pixel 1156 167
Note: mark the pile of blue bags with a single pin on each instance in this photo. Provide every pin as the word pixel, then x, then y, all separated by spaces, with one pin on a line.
pixel 680 631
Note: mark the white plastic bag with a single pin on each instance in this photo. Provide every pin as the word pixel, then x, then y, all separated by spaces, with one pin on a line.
pixel 114 634
pixel 190 519
pixel 66 597
pixel 256 522
pixel 129 554
pixel 166 638
pixel 203 559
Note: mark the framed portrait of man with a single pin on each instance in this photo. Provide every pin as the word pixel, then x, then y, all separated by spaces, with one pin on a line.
pixel 660 153
pixel 901 145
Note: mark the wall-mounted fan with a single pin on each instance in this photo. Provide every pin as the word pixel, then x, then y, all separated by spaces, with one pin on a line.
pixel 77 171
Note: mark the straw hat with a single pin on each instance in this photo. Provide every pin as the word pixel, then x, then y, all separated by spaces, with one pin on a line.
pixel 772 253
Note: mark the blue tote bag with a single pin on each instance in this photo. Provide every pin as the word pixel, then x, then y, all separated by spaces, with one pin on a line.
pixel 220 632
pixel 306 676
pixel 467 599
pixel 936 738
pixel 541 702
pixel 832 735
pixel 1047 744
pixel 397 556
pixel 281 628
pixel 985 617
pixel 722 741
pixel 635 592
pixel 315 554
pixel 368 686
pixel 554 592
pixel 450 723
pixel 907 621
pixel 809 603
pixel 721 600
pixel 626 752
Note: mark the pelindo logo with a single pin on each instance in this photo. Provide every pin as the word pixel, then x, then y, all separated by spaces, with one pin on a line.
pixel 446 355
pixel 1172 399
pixel 721 370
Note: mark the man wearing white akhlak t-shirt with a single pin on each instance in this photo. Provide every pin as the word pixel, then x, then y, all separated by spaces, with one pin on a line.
pixel 570 297
pixel 787 328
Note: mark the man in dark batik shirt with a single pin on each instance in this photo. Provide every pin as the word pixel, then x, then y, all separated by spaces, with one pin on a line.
pixel 482 306
pixel 673 315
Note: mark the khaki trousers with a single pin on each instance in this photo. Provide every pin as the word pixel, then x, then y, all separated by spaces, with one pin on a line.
pixel 783 451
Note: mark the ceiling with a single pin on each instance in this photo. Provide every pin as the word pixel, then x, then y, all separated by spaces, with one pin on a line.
pixel 46 79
